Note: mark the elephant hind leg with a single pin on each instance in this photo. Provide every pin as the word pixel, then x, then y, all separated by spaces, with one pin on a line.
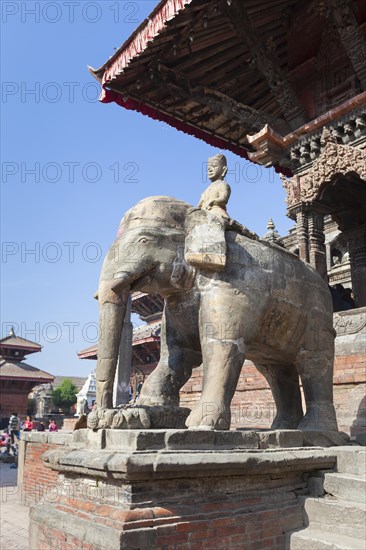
pixel 222 364
pixel 172 372
pixel 316 372
pixel 283 381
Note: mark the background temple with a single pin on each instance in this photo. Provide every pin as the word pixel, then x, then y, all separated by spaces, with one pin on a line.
pixel 17 377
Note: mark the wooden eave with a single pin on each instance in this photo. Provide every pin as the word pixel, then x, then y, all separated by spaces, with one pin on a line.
pixel 217 70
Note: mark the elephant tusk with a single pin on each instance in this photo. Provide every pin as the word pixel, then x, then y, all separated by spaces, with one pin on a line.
pixel 119 281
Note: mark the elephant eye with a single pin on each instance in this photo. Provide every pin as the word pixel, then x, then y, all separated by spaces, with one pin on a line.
pixel 143 240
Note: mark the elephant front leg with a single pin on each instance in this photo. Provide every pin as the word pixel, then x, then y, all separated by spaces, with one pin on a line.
pixel 111 321
pixel 222 363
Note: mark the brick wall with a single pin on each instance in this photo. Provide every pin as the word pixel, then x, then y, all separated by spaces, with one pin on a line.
pixel 49 537
pixel 253 406
pixel 11 402
pixel 35 481
pixel 224 526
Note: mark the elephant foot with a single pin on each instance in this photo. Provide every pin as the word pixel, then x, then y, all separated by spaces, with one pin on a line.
pixel 283 422
pixel 209 416
pixel 131 418
pixel 138 417
pixel 100 418
pixel 321 418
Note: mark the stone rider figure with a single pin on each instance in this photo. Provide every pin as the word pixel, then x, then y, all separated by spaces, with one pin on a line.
pixel 217 194
pixel 205 226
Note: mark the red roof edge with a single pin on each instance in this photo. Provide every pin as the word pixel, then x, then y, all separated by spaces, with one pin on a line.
pixel 28 379
pixel 146 340
pixel 153 25
pixel 87 355
pixel 109 96
pixel 25 347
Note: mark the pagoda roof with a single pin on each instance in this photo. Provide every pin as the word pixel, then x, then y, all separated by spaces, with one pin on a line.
pixel 141 335
pixel 147 333
pixel 225 71
pixel 18 370
pixel 16 342
pixel 148 307
pixel 89 353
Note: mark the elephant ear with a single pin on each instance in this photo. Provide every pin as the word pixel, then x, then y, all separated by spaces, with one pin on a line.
pixel 205 245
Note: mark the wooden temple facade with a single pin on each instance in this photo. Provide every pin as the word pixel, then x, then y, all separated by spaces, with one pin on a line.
pixel 282 83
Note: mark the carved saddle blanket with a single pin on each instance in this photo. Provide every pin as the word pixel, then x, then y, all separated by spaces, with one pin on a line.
pixel 205 245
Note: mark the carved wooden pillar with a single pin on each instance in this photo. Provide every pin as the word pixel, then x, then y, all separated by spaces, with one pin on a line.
pixel 328 256
pixel 317 252
pixel 302 234
pixel 357 256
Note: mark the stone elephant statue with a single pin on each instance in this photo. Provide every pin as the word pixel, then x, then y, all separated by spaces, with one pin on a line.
pixel 265 305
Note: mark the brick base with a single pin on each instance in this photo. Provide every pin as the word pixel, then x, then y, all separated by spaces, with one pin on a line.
pixel 214 525
pixel 97 499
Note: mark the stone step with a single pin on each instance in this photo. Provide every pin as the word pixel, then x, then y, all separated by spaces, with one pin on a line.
pixel 338 516
pixel 349 487
pixel 350 459
pixel 316 539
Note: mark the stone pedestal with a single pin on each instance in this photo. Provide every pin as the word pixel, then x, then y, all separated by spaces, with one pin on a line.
pixel 175 489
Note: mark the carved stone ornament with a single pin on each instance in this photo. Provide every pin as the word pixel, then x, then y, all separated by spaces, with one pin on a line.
pixel 292 187
pixel 348 324
pixel 334 159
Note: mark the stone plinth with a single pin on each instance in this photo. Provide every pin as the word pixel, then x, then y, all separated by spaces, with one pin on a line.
pixel 175 489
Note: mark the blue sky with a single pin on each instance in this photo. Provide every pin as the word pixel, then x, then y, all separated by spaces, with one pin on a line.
pixel 72 166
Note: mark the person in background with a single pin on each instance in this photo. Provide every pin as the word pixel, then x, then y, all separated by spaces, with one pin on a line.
pixel 41 427
pixel 53 426
pixel 13 430
pixel 138 391
pixel 3 439
pixel 28 425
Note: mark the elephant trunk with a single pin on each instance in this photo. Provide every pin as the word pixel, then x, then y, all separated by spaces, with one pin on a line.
pixel 112 309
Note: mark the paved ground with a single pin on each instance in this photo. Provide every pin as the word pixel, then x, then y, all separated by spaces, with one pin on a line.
pixel 14 517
